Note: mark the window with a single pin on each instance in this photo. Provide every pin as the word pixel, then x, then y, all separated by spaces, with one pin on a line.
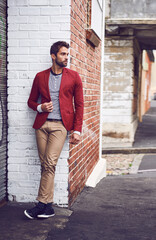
pixel 94 22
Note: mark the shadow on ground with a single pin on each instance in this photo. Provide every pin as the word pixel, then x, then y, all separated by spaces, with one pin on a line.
pixel 119 208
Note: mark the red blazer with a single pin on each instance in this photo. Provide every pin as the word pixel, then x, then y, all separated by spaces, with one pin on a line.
pixel 70 88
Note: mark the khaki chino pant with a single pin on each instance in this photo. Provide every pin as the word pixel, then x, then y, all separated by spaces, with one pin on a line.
pixel 50 139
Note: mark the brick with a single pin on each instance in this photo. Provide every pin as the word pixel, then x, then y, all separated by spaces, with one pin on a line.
pixel 39 66
pixel 38 2
pixel 50 11
pixel 34 176
pixel 28 168
pixel 17 3
pixel 39 19
pixel 19 66
pixel 63 170
pixel 29 11
pixel 63 19
pixel 29 43
pixel 28 184
pixel 63 186
pixel 17 82
pixel 61 178
pixel 65 10
pixel 64 154
pixel 14 11
pixel 17 176
pixel 13 167
pixel 16 107
pixel 36 51
pixel 49 27
pixel 14 27
pixel 59 2
pixel 18 35
pixel 16 161
pixel 118 43
pixel 60 34
pixel 13 42
pixel 17 19
pixel 21 59
pixel 38 35
pixel 65 26
pixel 31 27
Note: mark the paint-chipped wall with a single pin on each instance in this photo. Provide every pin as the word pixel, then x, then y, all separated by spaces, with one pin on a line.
pixel 33 26
pixel 133 9
pixel 119 119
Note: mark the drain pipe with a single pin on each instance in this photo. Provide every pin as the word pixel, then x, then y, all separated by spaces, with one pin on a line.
pixel 102 77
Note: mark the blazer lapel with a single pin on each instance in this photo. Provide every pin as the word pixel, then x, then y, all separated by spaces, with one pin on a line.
pixel 46 79
pixel 64 73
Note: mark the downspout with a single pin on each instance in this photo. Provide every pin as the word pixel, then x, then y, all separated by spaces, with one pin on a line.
pixel 102 77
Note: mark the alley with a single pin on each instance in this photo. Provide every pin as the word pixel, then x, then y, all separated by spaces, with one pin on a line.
pixel 119 208
pixel 146 132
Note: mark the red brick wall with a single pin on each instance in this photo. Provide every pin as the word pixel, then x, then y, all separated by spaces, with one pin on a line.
pixel 146 83
pixel 85 59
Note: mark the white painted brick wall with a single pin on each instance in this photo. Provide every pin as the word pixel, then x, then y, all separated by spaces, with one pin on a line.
pixel 33 26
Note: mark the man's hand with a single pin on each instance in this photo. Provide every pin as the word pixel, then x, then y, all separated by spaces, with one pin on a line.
pixel 47 107
pixel 75 138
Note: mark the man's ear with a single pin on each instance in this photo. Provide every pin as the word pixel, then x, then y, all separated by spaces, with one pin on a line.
pixel 53 56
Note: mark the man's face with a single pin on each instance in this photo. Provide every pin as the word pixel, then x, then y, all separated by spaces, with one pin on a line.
pixel 62 57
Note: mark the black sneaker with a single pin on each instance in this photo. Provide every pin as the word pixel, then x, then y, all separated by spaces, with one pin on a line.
pixel 33 212
pixel 48 212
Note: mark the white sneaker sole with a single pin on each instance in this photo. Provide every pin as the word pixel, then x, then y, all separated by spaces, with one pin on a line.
pixel 45 216
pixel 27 215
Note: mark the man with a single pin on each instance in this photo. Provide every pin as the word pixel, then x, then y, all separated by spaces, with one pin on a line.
pixel 57 114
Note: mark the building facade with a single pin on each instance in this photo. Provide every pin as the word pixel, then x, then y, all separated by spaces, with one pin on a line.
pixel 130 29
pixel 33 26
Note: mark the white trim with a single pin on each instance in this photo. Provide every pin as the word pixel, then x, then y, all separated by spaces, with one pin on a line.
pixel 147 170
pixel 98 173
pixel 102 76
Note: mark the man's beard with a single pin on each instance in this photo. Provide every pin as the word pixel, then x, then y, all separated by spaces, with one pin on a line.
pixel 61 64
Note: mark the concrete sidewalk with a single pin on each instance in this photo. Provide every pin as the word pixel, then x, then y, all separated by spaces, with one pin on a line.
pixel 119 208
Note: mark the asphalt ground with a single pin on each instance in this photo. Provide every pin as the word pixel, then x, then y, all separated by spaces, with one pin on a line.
pixel 118 208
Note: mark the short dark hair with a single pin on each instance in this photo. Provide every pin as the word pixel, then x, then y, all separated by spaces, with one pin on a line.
pixel 56 47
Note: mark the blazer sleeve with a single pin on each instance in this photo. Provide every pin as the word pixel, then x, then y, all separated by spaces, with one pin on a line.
pixel 79 104
pixel 34 94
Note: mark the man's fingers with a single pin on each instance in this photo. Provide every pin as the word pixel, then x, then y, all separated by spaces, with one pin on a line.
pixel 74 139
pixel 49 104
pixel 47 107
